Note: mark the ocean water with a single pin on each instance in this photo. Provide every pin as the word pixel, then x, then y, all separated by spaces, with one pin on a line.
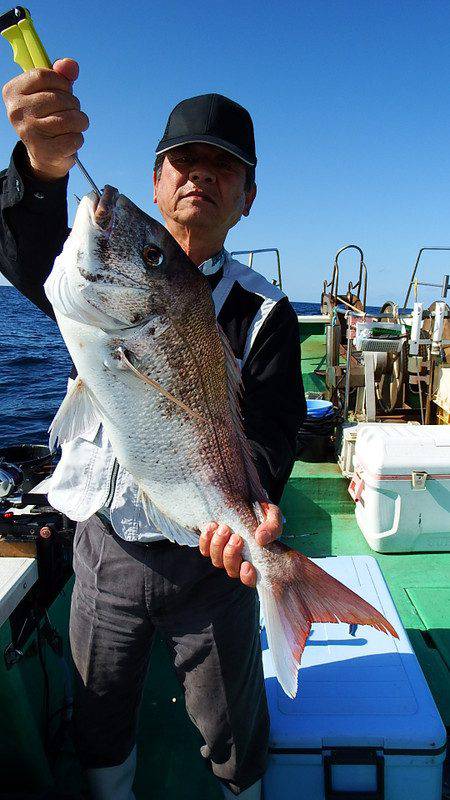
pixel 34 367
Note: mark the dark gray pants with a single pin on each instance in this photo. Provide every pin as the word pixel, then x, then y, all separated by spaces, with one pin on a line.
pixel 123 592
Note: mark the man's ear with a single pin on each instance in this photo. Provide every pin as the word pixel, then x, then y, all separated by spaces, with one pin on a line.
pixel 249 198
pixel 155 186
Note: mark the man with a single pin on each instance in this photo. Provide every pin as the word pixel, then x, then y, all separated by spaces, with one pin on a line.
pixel 129 579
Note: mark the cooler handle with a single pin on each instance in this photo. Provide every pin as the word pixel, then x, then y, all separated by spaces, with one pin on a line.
pixel 353 756
pixel 356 487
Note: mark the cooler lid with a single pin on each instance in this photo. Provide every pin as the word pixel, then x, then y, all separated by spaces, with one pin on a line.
pixel 366 690
pixel 396 449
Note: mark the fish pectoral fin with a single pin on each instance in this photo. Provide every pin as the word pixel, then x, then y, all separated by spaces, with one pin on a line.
pixel 170 529
pixel 125 360
pixel 75 417
pixel 299 594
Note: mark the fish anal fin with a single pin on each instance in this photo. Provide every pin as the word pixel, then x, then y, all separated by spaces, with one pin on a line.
pixel 300 594
pixel 75 417
pixel 168 527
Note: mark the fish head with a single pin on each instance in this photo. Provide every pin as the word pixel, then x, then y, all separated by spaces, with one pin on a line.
pixel 126 265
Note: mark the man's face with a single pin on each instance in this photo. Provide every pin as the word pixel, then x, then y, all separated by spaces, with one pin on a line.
pixel 202 187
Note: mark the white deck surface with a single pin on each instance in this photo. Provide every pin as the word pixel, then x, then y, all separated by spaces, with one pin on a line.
pixel 17 576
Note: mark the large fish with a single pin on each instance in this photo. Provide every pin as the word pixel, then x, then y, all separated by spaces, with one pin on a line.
pixel 155 368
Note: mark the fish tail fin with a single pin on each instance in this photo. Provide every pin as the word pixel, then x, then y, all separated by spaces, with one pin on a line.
pixel 298 594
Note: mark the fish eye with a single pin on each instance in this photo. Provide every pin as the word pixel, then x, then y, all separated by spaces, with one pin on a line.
pixel 152 255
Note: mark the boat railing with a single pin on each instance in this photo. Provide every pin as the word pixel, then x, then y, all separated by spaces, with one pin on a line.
pixel 250 253
pixel 414 282
pixel 353 298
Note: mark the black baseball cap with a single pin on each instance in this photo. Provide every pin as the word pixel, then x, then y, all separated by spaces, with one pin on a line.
pixel 213 119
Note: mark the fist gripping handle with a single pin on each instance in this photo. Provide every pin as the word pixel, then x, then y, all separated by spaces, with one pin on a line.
pixel 16 26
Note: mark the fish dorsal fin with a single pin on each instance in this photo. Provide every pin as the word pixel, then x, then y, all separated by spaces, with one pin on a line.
pixel 235 390
pixel 75 417
pixel 168 527
pixel 124 358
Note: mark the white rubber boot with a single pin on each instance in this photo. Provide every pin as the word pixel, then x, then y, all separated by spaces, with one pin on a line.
pixel 252 793
pixel 113 783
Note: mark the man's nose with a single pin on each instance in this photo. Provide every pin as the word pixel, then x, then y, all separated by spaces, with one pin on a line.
pixel 201 172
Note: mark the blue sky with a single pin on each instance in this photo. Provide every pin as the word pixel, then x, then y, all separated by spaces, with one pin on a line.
pixel 349 101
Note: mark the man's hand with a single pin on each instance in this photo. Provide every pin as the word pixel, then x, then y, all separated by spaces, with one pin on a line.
pixel 225 547
pixel 43 110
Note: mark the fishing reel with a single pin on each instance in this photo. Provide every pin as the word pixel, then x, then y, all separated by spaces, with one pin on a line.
pixel 11 477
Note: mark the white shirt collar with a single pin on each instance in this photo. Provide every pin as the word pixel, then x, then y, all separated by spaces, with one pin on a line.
pixel 213 264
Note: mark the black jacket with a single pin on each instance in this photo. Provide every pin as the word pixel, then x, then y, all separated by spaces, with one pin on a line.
pixel 33 228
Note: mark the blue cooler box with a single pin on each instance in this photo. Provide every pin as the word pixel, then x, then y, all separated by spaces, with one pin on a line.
pixel 364 725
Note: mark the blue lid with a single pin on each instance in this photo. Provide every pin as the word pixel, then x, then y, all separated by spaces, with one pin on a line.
pixel 365 690
pixel 319 408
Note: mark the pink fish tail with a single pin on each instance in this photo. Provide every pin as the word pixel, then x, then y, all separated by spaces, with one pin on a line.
pixel 298 593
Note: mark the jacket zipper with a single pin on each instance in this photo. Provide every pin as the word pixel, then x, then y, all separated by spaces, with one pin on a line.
pixel 112 483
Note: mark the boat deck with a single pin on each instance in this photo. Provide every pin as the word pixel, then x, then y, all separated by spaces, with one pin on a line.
pixel 320 518
pixel 320 522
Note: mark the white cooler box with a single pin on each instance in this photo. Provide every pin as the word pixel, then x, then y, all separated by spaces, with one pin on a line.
pixel 401 487
pixel 364 724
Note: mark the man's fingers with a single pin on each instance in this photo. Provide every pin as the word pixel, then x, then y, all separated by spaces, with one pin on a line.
pixel 67 67
pixel 225 551
pixel 273 514
pixel 53 150
pixel 219 540
pixel 247 574
pixel 44 104
pixel 232 558
pixel 272 527
pixel 37 80
pixel 60 123
pixel 205 537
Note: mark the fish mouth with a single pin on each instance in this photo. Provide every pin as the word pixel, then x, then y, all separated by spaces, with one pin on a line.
pixel 103 207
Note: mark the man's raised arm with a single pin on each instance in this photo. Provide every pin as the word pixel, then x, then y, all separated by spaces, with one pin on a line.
pixel 33 190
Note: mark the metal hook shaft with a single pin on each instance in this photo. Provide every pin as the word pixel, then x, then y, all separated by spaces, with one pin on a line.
pixel 87 176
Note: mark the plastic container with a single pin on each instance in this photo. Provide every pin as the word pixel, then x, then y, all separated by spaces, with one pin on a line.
pixel 314 438
pixel 319 408
pixel 401 486
pixel 364 720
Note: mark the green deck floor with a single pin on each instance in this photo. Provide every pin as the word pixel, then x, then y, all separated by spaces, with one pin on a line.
pixel 313 356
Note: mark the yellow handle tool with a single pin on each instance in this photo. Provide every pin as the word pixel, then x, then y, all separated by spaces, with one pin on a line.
pixel 16 26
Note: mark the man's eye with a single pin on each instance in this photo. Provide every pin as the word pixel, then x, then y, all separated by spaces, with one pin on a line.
pixel 227 165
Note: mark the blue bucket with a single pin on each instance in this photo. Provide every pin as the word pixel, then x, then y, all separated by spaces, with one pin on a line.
pixel 318 409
